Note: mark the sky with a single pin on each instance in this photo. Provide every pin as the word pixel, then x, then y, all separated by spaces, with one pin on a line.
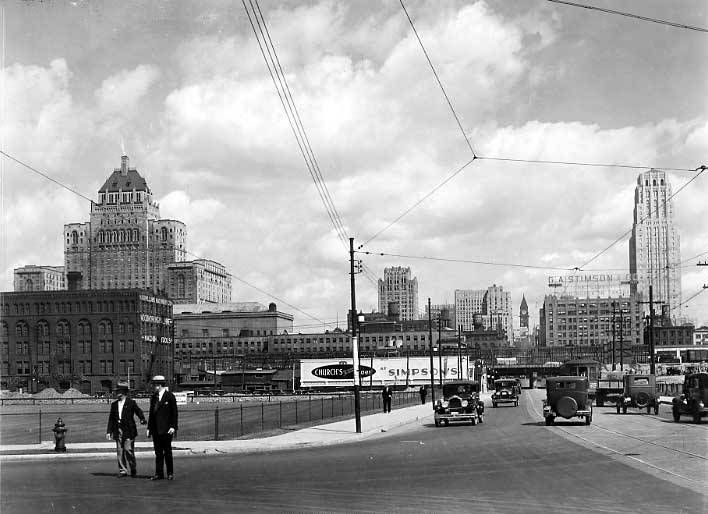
pixel 182 88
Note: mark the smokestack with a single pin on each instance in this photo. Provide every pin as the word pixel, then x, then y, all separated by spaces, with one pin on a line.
pixel 124 165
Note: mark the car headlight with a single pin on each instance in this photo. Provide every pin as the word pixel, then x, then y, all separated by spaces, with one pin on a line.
pixel 465 403
pixel 445 404
pixel 700 404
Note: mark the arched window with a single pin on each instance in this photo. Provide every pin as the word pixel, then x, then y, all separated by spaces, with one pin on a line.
pixel 164 233
pixel 43 330
pixel 22 329
pixel 75 237
pixel 121 236
pixel 654 182
pixel 4 332
pixel 136 236
pixel 63 329
pixel 115 236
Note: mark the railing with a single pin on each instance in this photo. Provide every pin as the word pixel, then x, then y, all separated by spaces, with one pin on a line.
pixel 197 421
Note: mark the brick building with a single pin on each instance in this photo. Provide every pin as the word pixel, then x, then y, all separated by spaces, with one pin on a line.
pixel 84 339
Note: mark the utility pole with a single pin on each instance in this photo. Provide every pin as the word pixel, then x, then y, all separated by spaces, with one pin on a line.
pixel 432 365
pixel 651 329
pixel 440 377
pixel 355 340
pixel 459 351
pixel 613 337
pixel 621 337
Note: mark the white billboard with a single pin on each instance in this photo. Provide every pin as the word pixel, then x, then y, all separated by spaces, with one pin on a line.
pixel 379 371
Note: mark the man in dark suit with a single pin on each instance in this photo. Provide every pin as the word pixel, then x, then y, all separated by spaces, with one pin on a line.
pixel 162 426
pixel 122 429
pixel 386 395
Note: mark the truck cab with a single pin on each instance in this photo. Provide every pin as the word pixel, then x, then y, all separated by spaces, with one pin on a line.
pixel 693 400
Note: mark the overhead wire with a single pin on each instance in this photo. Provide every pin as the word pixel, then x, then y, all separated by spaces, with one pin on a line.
pixel 437 78
pixel 630 15
pixel 282 87
pixel 186 252
pixel 700 291
pixel 465 261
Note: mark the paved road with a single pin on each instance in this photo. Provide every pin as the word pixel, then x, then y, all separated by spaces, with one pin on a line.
pixel 511 463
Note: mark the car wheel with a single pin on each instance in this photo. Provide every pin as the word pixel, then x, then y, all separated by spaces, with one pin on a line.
pixel 474 421
pixel 481 418
pixel 494 405
pixel 642 400
pixel 549 421
pixel 618 408
pixel 676 414
pixel 624 409
pixel 516 404
pixel 697 417
pixel 588 420
pixel 446 422
pixel 600 402
pixel 656 409
pixel 437 423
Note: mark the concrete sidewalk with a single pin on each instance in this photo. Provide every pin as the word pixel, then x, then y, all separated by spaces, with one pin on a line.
pixel 322 435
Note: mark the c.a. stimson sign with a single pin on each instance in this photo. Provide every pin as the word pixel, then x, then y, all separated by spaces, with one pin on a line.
pixel 381 371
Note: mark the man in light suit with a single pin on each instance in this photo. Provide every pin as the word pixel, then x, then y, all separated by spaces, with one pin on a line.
pixel 162 426
pixel 122 429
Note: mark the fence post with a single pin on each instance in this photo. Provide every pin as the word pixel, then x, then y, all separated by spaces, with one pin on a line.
pixel 216 423
pixel 40 426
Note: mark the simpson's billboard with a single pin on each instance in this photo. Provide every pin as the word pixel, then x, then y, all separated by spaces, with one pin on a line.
pixel 414 371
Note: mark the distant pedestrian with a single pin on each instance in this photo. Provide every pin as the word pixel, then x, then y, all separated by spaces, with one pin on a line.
pixel 387 395
pixel 423 393
pixel 121 428
pixel 162 426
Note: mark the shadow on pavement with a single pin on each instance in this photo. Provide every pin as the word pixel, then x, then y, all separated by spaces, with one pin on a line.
pixel 534 424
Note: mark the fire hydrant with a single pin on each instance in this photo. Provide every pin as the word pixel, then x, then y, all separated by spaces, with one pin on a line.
pixel 59 435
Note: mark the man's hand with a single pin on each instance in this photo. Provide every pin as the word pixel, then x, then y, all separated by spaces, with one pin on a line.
pixel 143 422
pixel 171 431
pixel 109 436
pixel 147 432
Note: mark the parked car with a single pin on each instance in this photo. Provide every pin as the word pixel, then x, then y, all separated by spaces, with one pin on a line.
pixel 567 397
pixel 638 391
pixel 506 390
pixel 460 402
pixel 693 399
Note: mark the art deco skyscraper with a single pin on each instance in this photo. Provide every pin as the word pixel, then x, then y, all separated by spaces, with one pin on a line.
pixel 398 286
pixel 654 248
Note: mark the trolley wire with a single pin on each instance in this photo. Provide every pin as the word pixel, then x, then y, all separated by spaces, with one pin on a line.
pixel 630 15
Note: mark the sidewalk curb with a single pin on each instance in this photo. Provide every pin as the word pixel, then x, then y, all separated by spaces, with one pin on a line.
pixel 183 449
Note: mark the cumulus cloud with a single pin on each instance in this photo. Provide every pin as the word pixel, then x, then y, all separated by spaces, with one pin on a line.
pixel 211 137
pixel 121 93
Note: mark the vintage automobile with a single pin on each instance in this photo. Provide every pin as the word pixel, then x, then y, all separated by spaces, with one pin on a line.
pixel 694 398
pixel 460 402
pixel 567 397
pixel 638 391
pixel 506 390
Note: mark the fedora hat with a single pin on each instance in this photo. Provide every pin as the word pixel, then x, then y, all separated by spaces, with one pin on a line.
pixel 122 386
pixel 159 379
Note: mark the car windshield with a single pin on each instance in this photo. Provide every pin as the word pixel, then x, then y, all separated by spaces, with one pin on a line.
pixel 507 384
pixel 459 389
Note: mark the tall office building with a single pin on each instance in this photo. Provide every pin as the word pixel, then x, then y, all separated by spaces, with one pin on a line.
pixel 126 245
pixel 654 247
pixel 39 278
pixel 493 303
pixel 397 286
